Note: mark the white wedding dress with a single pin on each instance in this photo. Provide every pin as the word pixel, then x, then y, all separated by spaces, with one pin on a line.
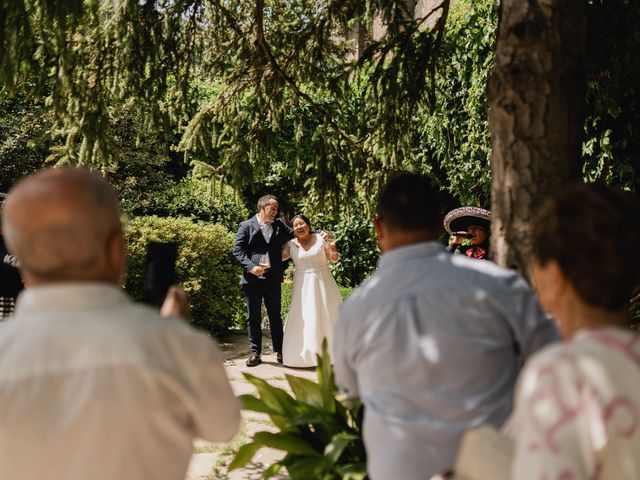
pixel 315 299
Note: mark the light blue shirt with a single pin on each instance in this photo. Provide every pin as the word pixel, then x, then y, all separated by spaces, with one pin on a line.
pixel 432 343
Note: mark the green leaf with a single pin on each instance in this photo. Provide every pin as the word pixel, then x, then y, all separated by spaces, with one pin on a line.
pixel 338 443
pixel 249 402
pixel 325 378
pixel 353 471
pixel 274 397
pixel 305 390
pixel 306 468
pixel 273 470
pixel 287 442
pixel 320 417
pixel 244 455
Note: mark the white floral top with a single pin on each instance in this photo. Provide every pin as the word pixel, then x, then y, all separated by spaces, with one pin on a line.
pixel 577 411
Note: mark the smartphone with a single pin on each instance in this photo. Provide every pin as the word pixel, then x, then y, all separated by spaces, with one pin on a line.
pixel 161 271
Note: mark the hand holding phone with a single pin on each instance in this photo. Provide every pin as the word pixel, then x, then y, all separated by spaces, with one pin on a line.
pixel 161 271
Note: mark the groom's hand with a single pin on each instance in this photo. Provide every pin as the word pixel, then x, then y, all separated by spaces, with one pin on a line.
pixel 257 271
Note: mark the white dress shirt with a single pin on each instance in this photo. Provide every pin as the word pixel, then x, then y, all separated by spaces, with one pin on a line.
pixel 432 343
pixel 93 386
pixel 267 230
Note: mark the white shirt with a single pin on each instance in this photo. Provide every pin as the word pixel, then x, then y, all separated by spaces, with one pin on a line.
pixel 93 386
pixel 266 228
pixel 577 411
pixel 432 343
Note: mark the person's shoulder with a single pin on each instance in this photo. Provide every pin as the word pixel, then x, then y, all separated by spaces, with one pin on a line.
pixel 363 296
pixel 281 224
pixel 487 273
pixel 246 223
pixel 173 332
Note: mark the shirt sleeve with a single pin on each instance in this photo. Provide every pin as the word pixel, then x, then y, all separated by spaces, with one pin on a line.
pixel 345 374
pixel 551 424
pixel 211 404
pixel 240 248
pixel 532 328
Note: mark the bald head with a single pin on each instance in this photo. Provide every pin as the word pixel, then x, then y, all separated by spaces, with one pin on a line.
pixel 63 225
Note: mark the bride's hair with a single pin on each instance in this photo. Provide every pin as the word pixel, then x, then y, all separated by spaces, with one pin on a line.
pixel 301 217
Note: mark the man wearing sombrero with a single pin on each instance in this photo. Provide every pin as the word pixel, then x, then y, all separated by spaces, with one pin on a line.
pixel 473 223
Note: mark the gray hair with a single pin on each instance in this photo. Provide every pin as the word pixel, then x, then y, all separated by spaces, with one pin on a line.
pixel 264 201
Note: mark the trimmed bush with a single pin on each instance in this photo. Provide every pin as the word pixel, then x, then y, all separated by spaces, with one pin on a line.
pixel 205 267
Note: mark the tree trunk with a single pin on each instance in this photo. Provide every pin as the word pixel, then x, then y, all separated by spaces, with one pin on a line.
pixel 536 97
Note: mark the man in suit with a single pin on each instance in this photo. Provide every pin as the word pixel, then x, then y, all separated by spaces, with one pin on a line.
pixel 262 234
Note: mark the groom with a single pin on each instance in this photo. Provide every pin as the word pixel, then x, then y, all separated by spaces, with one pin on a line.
pixel 262 234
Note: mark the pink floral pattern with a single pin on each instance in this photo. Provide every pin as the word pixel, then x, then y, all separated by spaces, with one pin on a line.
pixel 573 401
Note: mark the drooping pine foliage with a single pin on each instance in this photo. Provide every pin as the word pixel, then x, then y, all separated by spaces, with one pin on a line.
pixel 234 74
pixel 268 94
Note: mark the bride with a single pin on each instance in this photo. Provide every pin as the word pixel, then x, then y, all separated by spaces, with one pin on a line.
pixel 315 297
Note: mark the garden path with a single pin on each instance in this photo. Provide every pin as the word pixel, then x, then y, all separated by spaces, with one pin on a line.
pixel 210 461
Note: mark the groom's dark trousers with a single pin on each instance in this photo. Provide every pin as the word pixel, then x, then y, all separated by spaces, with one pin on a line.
pixel 248 246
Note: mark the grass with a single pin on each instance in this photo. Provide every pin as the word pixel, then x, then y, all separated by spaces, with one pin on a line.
pixel 227 452
pixel 206 448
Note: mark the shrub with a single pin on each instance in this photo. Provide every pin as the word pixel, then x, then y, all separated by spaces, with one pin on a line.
pixel 205 267
pixel 358 250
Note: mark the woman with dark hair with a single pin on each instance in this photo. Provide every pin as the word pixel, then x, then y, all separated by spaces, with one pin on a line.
pixel 577 409
pixel 315 296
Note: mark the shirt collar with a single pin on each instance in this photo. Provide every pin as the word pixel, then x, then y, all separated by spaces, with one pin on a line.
pixel 262 225
pixel 69 295
pixel 410 253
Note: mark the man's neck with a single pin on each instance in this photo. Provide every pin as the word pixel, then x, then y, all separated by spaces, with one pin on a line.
pixel 404 239
pixel 261 219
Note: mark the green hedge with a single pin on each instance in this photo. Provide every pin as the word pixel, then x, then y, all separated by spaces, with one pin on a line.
pixel 205 267
pixel 358 249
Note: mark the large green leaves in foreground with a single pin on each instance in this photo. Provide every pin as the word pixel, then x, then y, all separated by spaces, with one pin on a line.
pixel 319 430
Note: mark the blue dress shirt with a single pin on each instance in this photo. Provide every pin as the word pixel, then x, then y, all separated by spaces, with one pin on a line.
pixel 433 343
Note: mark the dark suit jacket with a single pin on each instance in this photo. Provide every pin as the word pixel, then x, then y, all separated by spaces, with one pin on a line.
pixel 250 244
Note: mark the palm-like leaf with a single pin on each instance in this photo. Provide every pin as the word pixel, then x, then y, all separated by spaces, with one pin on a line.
pixel 319 430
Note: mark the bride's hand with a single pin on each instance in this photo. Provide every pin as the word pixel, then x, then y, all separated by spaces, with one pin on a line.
pixel 332 251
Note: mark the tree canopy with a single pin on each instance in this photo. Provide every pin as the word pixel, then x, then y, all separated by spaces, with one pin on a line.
pixel 259 91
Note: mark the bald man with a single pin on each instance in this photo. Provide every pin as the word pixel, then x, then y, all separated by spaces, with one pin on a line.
pixel 93 386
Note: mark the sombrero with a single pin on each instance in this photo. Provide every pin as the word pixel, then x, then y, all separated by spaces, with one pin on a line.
pixel 462 218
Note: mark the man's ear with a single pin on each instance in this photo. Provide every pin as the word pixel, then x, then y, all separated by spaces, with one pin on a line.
pixel 557 277
pixel 380 233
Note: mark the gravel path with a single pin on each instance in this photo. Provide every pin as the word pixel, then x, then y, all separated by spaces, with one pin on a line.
pixel 210 461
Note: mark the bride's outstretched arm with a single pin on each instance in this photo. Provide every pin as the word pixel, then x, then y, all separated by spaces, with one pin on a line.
pixel 286 253
pixel 331 251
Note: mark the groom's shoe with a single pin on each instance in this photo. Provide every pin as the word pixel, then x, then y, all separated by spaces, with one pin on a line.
pixel 279 357
pixel 254 360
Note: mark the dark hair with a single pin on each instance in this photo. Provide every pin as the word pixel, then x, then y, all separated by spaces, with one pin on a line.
pixel 303 218
pixel 264 200
pixel 593 233
pixel 409 202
